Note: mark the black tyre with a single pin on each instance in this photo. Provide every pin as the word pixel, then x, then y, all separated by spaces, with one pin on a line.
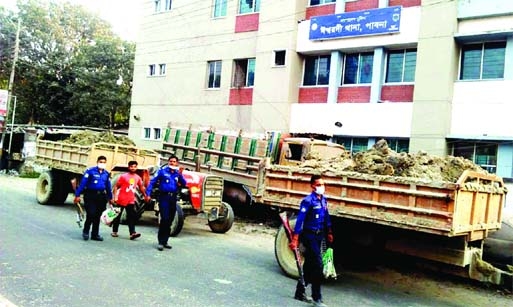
pixel 224 224
pixel 177 224
pixel 48 190
pixel 284 255
pixel 139 202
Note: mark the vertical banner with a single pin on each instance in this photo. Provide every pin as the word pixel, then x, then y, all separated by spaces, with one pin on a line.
pixel 3 102
pixel 3 108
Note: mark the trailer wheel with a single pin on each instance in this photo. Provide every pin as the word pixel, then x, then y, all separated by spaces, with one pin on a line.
pixel 177 224
pixel 284 255
pixel 47 189
pixel 223 224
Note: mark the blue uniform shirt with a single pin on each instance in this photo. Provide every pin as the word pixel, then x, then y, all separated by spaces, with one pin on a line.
pixel 93 180
pixel 167 179
pixel 313 215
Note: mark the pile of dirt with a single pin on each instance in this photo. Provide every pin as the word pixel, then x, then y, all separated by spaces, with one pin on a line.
pixel 88 137
pixel 381 160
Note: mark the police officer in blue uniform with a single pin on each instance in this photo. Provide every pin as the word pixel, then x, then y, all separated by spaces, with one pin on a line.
pixel 97 190
pixel 169 180
pixel 313 225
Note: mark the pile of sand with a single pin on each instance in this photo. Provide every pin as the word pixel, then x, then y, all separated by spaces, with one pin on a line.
pixel 88 137
pixel 381 160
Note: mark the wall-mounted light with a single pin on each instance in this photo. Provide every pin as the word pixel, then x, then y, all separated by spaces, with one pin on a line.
pixel 137 117
pixel 338 124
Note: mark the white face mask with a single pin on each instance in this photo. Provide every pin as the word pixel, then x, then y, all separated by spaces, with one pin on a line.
pixel 319 190
pixel 174 167
pixel 102 165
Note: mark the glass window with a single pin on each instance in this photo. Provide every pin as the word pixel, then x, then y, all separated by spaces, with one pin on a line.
pixel 146 133
pixel 358 68
pixel 398 145
pixel 353 145
pixel 244 73
pixel 162 69
pixel 156 133
pixel 151 70
pixel 317 2
pixel 279 57
pixel 214 74
pixel 219 8
pixel 317 70
pixel 167 5
pixel 401 65
pixel 483 61
pixel 249 6
pixel 483 154
pixel 162 5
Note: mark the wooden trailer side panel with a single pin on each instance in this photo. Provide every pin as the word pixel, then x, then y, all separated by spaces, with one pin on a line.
pixel 441 208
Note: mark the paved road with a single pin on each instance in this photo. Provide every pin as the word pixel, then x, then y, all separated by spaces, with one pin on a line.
pixel 45 262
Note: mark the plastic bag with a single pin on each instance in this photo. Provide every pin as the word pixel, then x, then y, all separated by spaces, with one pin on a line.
pixel 328 265
pixel 109 215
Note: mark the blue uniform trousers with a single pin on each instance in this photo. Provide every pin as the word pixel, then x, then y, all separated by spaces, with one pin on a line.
pixel 167 207
pixel 95 203
pixel 312 266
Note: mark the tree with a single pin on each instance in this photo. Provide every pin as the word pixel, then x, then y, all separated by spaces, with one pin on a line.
pixel 69 66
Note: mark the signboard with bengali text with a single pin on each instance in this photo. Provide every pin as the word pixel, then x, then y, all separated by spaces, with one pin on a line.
pixel 369 22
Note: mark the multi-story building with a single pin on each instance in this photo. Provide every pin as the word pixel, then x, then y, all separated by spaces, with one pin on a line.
pixel 430 75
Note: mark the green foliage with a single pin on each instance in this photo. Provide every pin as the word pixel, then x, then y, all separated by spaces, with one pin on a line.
pixel 71 70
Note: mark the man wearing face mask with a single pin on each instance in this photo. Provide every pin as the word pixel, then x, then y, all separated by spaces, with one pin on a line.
pixel 169 180
pixel 313 225
pixel 97 190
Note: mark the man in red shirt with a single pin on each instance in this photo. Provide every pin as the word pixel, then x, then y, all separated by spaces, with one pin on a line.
pixel 124 198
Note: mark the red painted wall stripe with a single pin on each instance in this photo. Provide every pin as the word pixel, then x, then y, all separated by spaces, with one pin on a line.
pixel 313 95
pixel 397 93
pixel 242 96
pixel 247 23
pixel 353 94
pixel 319 10
pixel 361 5
pixel 404 3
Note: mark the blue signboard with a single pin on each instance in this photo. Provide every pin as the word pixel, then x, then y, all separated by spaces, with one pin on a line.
pixel 369 22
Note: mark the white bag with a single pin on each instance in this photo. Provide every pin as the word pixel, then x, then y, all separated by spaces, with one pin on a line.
pixel 109 215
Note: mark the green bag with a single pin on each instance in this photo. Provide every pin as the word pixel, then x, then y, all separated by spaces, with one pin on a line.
pixel 328 264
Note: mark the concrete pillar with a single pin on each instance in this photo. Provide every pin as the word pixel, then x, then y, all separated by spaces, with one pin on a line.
pixel 378 68
pixel 508 62
pixel 335 75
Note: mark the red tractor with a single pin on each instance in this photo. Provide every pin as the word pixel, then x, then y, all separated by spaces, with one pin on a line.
pixel 202 196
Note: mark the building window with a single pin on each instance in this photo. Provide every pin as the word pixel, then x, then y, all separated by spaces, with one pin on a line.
pixel 358 68
pixel 483 61
pixel 244 73
pixel 152 133
pixel 317 70
pixel 151 70
pixel 317 2
pixel 146 133
pixel 249 6
pixel 156 133
pixel 279 57
pixel 481 153
pixel 162 69
pixel 401 65
pixel 219 8
pixel 214 74
pixel 162 5
pixel 353 145
pixel 398 145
